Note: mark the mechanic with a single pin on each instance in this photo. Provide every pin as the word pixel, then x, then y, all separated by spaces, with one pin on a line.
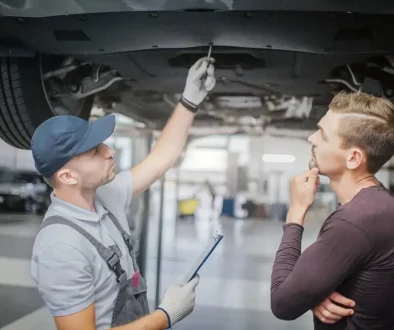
pixel 84 259
pixel 353 255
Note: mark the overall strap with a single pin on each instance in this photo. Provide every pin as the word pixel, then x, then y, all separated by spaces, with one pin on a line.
pixel 126 237
pixel 110 254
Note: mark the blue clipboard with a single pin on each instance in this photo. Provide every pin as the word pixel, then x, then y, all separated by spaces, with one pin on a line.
pixel 203 258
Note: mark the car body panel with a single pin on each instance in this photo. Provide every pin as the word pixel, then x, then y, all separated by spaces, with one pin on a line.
pixel 45 8
pixel 310 32
pixel 263 49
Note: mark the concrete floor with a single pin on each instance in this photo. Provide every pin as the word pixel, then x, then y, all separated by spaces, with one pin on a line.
pixel 234 287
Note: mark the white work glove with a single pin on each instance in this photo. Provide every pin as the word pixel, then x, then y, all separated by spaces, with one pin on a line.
pixel 200 81
pixel 179 301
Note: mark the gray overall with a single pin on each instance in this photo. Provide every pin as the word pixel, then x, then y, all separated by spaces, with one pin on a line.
pixel 131 302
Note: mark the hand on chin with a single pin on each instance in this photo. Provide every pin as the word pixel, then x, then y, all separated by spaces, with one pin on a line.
pixel 302 192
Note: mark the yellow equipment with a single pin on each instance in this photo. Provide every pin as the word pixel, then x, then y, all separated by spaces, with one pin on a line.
pixel 188 207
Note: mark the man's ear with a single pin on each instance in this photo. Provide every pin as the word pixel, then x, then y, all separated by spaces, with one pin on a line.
pixel 67 176
pixel 355 157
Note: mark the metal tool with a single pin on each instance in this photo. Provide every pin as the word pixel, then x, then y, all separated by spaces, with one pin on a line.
pixel 209 53
pixel 209 59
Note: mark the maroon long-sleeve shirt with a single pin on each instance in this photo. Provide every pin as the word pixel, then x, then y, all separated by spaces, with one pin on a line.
pixel 353 255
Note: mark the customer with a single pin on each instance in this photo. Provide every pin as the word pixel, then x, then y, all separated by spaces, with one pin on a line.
pixel 354 252
pixel 84 260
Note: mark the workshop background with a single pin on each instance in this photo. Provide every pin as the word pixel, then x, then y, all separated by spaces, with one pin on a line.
pixel 250 179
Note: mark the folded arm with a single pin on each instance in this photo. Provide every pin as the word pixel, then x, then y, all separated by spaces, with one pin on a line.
pixel 301 281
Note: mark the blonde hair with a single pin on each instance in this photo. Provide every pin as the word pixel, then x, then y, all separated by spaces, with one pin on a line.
pixel 367 123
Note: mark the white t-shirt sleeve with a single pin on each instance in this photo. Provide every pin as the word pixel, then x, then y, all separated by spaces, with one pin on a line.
pixel 119 190
pixel 64 278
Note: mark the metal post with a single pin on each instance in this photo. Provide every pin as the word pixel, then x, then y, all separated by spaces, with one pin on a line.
pixel 143 237
pixel 15 160
pixel 160 242
pixel 177 184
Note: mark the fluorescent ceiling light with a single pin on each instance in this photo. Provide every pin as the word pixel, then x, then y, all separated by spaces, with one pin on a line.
pixel 278 158
pixel 210 160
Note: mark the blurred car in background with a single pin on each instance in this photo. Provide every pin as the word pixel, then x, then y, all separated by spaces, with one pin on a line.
pixel 23 190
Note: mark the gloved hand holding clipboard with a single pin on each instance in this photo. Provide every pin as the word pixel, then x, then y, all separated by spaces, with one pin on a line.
pixel 205 254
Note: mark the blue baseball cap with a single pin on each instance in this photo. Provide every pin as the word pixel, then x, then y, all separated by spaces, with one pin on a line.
pixel 60 138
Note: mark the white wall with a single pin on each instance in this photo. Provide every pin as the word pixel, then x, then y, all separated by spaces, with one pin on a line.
pixel 279 174
pixel 15 158
pixel 298 148
pixel 23 159
pixel 123 156
pixel 211 164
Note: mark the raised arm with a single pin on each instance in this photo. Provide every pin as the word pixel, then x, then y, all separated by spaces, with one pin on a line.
pixel 172 141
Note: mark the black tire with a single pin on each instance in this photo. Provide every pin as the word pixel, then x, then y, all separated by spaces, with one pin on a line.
pixel 23 102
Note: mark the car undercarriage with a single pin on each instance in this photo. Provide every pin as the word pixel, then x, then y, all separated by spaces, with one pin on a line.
pixel 278 64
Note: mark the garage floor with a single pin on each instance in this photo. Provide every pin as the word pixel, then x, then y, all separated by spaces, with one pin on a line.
pixel 233 291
